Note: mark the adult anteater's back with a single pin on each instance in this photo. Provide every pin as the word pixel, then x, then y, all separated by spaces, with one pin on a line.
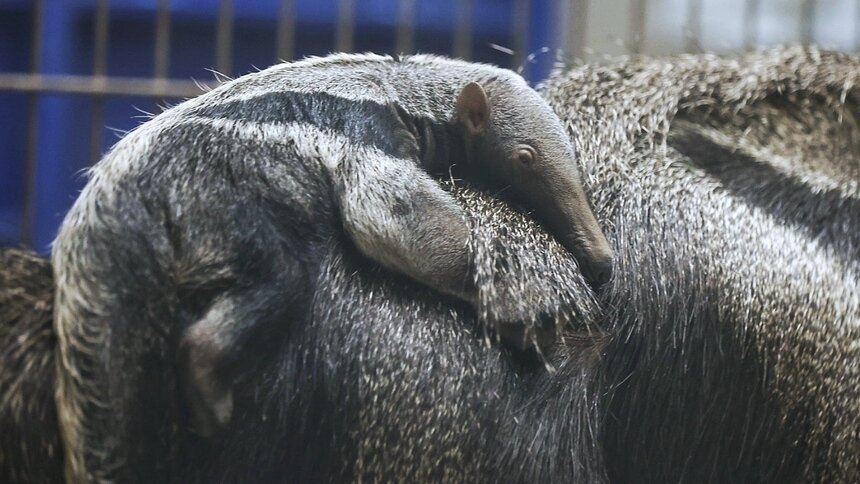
pixel 731 189
pixel 30 448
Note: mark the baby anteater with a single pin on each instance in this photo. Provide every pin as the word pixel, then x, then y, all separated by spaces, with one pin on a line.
pixel 227 199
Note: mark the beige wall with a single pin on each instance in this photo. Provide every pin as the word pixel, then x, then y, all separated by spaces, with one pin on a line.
pixel 671 26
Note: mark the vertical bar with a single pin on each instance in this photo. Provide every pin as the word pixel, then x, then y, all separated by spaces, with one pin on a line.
pixel 406 27
pixel 32 130
pixel 577 26
pixel 100 49
pixel 638 10
pixel 520 34
pixel 161 55
pixel 224 39
pixel 30 168
pixel 751 18
pixel 463 30
pixel 100 38
pixel 857 25
pixel 807 22
pixel 345 28
pixel 284 50
pixel 693 34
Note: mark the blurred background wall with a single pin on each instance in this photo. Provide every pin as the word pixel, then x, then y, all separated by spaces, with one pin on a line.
pixel 76 74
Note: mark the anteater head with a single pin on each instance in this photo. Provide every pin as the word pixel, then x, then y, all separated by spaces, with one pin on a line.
pixel 515 139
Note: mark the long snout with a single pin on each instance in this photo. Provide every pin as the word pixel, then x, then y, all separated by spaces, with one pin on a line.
pixel 563 205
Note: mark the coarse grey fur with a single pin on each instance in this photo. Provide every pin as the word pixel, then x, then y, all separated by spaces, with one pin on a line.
pixel 30 449
pixel 733 308
pixel 729 187
pixel 208 224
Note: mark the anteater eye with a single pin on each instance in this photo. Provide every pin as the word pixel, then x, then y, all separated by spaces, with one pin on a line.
pixel 526 155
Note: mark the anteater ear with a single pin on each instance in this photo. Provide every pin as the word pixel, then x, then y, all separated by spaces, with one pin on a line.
pixel 473 108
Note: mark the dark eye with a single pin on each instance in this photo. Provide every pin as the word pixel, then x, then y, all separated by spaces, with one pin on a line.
pixel 526 154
